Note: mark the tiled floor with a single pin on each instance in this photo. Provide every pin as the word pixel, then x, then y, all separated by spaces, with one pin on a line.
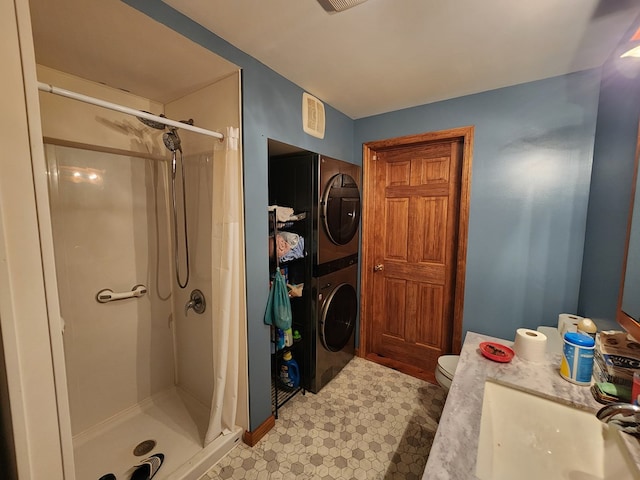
pixel 370 422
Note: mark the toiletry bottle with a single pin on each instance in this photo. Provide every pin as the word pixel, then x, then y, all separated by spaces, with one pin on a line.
pixel 288 337
pixel 289 371
pixel 576 365
pixel 587 326
pixel 279 339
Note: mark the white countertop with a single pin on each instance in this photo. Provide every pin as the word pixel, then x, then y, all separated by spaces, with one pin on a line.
pixel 455 446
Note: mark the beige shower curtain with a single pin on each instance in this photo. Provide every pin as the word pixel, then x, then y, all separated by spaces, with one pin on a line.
pixel 228 300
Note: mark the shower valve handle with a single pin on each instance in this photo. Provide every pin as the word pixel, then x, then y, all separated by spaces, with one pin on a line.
pixel 196 302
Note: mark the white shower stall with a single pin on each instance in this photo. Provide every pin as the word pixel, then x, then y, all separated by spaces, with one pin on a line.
pixel 139 371
pixel 92 388
pixel 143 375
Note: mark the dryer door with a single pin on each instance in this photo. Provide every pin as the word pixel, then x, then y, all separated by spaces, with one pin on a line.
pixel 341 208
pixel 338 318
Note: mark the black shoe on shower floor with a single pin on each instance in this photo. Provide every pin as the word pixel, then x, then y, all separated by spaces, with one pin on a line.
pixel 108 476
pixel 148 468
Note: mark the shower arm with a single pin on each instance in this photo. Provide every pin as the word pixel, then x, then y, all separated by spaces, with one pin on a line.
pixel 46 87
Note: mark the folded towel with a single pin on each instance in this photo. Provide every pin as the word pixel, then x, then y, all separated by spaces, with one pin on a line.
pixel 282 213
pixel 295 252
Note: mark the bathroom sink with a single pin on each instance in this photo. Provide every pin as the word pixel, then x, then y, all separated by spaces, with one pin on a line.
pixel 526 436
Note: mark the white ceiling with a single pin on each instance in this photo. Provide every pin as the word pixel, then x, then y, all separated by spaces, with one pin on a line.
pixel 383 55
pixel 108 42
pixel 379 56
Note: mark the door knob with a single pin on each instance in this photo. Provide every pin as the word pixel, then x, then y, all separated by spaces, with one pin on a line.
pixel 378 268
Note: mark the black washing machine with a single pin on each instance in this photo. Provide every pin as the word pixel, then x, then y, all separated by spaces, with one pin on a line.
pixel 335 311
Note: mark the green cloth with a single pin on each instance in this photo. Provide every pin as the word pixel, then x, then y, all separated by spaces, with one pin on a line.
pixel 620 391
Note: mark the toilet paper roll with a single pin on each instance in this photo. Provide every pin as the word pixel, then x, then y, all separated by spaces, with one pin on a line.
pixel 568 322
pixel 530 345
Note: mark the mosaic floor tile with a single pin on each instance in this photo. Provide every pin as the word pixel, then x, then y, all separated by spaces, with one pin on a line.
pixel 369 422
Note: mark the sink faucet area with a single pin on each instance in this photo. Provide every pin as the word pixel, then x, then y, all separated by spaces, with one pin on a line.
pixel 523 420
pixel 624 416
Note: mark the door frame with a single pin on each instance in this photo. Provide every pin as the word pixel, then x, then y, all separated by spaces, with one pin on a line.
pixel 371 234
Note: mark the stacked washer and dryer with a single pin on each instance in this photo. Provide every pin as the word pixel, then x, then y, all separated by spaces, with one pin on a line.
pixel 329 190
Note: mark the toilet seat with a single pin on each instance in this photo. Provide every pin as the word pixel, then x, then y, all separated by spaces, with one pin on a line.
pixel 447 365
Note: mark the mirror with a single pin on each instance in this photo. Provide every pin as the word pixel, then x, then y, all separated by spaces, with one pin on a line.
pixel 628 312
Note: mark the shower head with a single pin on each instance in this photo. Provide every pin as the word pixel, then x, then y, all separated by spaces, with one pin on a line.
pixel 152 123
pixel 172 140
pixel 159 125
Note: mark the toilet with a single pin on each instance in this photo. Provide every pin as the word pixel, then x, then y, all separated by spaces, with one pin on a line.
pixel 446 369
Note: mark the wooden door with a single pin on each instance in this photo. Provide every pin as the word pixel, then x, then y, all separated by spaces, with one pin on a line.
pixel 414 232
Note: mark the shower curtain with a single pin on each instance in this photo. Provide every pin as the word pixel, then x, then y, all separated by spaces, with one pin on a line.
pixel 228 299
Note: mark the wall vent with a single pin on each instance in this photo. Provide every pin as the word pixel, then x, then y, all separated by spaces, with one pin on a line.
pixel 312 116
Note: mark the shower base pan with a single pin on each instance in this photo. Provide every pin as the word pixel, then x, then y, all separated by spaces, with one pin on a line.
pixel 175 422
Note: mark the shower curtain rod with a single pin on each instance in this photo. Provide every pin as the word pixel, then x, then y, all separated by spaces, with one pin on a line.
pixel 46 87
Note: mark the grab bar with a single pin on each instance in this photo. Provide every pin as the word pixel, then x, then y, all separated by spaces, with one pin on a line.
pixel 108 295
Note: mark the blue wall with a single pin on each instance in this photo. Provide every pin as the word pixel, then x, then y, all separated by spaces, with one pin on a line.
pixel 272 108
pixel 530 185
pixel 529 192
pixel 610 197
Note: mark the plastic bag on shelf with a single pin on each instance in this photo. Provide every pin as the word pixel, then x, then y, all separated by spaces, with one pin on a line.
pixel 278 311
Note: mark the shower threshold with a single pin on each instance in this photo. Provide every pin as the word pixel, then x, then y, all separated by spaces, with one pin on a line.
pixel 175 421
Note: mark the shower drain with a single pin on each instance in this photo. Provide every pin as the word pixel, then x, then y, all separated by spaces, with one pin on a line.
pixel 144 447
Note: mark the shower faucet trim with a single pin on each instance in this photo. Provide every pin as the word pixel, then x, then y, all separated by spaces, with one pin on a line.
pixel 196 302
